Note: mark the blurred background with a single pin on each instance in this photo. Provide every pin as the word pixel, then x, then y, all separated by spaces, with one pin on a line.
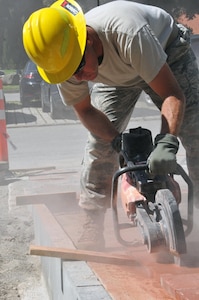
pixel 14 13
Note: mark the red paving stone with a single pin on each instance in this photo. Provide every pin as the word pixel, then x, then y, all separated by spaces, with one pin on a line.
pixel 182 287
pixel 153 276
pixel 189 294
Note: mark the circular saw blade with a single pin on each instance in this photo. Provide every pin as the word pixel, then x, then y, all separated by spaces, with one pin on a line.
pixel 171 222
pixel 150 230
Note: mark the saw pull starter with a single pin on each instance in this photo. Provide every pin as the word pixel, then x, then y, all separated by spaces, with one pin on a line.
pixel 150 202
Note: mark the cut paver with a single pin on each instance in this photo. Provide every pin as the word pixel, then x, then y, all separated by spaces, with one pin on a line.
pixel 182 286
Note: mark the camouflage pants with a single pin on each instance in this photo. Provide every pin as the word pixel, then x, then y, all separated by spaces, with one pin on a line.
pixel 100 161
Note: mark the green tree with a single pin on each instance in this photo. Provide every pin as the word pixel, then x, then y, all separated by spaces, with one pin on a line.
pixel 12 17
pixel 4 15
pixel 177 7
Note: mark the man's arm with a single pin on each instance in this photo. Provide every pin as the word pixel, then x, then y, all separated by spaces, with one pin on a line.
pixel 94 120
pixel 166 86
pixel 163 158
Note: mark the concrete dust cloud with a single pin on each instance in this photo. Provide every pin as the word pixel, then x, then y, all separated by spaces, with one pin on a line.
pixel 193 242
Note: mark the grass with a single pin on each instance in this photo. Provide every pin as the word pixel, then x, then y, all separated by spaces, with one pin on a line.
pixel 9 72
pixel 11 88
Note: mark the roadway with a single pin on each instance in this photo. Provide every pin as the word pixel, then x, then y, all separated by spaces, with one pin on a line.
pixel 61 141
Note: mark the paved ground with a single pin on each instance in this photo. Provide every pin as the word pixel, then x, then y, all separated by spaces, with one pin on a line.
pixel 18 116
pixel 152 277
pixel 32 115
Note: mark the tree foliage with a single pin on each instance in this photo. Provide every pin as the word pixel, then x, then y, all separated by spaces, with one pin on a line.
pixel 14 13
pixel 12 17
pixel 177 7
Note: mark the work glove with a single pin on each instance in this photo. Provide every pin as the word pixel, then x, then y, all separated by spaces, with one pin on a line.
pixel 162 159
pixel 117 143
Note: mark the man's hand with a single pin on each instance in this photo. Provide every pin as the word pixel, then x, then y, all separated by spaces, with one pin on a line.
pixel 163 158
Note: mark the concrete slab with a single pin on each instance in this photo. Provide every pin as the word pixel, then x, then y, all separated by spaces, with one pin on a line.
pixel 39 182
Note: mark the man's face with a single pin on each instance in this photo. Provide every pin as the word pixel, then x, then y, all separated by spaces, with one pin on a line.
pixel 90 69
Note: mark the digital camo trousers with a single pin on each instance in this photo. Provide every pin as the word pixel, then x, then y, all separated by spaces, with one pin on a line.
pixel 100 161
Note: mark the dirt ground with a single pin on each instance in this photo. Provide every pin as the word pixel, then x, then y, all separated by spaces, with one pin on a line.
pixel 20 276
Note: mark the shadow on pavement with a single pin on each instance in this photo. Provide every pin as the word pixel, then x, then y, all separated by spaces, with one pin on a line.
pixel 19 118
pixel 31 112
pixel 16 113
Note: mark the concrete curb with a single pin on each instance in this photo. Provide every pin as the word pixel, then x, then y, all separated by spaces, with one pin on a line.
pixel 72 280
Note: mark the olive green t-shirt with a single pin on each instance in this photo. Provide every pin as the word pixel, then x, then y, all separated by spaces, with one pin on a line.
pixel 134 37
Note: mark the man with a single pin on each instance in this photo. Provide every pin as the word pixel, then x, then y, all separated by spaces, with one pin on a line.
pixel 124 47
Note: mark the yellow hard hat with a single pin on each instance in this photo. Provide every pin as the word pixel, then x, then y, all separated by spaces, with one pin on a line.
pixel 55 38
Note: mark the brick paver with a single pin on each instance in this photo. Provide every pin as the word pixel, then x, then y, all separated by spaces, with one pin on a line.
pixel 182 286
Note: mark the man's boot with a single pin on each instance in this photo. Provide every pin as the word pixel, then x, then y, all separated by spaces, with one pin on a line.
pixel 92 237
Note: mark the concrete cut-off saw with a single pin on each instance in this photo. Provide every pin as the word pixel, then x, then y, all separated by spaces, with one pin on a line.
pixel 157 217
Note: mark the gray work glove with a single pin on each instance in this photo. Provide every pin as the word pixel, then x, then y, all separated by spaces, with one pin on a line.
pixel 162 159
pixel 117 143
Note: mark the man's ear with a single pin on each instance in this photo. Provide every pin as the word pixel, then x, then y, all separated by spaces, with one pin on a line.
pixel 89 38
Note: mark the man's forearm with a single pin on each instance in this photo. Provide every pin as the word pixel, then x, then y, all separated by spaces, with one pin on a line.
pixel 172 113
pixel 166 86
pixel 98 124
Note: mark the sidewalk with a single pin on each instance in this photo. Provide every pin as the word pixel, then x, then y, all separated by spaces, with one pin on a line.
pixel 18 116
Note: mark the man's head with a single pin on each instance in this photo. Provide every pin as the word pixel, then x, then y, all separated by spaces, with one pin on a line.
pixel 55 39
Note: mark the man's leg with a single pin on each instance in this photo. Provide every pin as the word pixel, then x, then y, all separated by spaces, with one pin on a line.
pixel 190 139
pixel 100 162
pixel 183 64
